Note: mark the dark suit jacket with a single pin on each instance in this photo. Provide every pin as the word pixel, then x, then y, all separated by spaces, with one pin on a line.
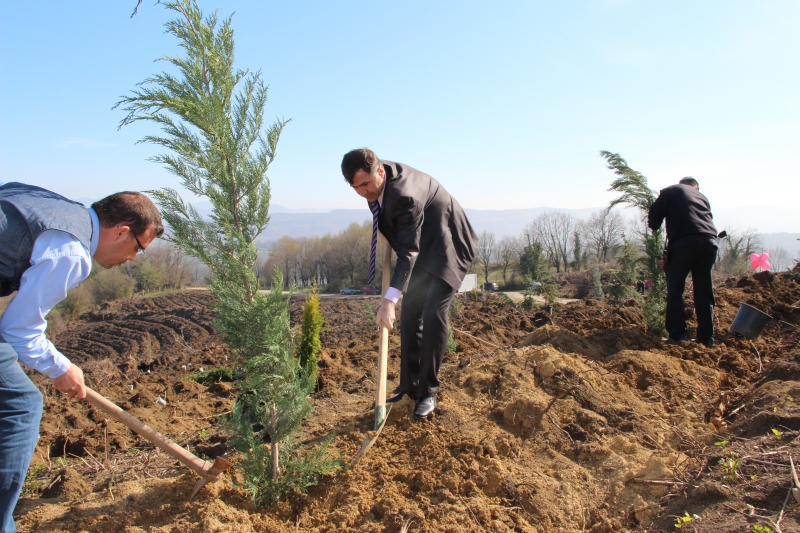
pixel 686 210
pixel 425 226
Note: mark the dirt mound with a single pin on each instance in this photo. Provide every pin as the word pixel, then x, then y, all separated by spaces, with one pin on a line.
pixel 581 421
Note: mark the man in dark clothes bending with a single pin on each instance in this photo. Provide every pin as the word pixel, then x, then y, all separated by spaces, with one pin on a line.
pixel 692 247
pixel 434 243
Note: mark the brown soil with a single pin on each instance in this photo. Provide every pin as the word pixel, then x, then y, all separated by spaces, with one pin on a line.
pixel 582 422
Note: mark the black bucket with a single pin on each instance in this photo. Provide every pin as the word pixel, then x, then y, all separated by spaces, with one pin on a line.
pixel 749 321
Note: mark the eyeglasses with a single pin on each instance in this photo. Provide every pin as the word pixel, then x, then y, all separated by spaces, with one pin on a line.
pixel 140 251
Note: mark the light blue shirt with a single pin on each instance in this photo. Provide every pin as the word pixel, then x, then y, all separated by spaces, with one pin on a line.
pixel 59 262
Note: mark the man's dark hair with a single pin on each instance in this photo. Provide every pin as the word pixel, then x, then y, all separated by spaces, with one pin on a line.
pixel 360 159
pixel 690 181
pixel 132 209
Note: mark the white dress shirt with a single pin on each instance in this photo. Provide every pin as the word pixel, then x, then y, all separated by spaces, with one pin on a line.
pixel 59 262
pixel 392 294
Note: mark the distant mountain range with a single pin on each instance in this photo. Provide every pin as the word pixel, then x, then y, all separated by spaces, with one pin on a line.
pixel 779 226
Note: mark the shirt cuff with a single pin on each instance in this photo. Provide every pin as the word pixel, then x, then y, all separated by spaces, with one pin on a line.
pixel 59 366
pixel 393 294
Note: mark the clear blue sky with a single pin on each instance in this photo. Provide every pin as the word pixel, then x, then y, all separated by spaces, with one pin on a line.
pixel 506 103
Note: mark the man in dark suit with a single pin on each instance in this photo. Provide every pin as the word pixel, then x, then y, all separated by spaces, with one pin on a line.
pixel 435 245
pixel 692 247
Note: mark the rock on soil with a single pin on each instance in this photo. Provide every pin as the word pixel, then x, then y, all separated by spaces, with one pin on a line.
pixel 579 422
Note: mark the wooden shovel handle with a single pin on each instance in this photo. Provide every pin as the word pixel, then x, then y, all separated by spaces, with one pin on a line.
pixel 383 347
pixel 120 415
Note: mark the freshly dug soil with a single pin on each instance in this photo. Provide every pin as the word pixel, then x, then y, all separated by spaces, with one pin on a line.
pixel 581 421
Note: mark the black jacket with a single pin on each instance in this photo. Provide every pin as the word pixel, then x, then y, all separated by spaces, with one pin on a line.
pixel 686 210
pixel 425 226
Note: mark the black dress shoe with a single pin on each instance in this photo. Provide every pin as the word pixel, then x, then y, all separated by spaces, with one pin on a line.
pixel 705 341
pixel 425 406
pixel 397 397
pixel 677 340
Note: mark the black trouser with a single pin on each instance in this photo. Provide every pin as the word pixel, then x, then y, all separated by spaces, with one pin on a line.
pixel 423 332
pixel 696 254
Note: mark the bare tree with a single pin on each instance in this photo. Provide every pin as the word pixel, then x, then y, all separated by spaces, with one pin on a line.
pixel 285 254
pixel 604 231
pixel 780 259
pixel 349 254
pixel 555 230
pixel 508 251
pixel 486 252
pixel 736 248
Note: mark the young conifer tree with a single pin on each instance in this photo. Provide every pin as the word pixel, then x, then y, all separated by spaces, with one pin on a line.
pixel 310 343
pixel 212 122
pixel 637 193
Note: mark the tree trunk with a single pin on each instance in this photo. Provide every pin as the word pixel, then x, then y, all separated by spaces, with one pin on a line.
pixel 276 471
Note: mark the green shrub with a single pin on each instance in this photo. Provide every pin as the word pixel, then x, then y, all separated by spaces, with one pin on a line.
pixel 528 303
pixel 452 345
pixel 310 344
pixel 212 376
pixel 78 301
pixel 109 285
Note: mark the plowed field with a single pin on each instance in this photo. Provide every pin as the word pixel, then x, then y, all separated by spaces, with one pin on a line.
pixel 582 422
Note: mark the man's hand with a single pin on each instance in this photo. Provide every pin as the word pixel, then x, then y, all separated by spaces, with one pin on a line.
pixel 71 382
pixel 385 316
pixel 660 264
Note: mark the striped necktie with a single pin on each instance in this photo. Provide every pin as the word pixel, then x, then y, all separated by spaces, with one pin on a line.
pixel 376 211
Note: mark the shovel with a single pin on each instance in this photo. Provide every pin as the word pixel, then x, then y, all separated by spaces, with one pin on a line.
pixel 381 413
pixel 207 471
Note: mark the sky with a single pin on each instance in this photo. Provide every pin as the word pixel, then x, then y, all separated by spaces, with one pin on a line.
pixel 507 104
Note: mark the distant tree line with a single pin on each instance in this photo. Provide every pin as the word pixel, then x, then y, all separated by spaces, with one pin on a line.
pixel 555 240
pixel 332 261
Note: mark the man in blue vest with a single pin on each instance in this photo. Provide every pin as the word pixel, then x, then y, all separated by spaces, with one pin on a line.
pixel 47 244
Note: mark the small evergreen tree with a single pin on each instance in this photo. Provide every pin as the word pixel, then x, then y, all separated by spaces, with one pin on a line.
pixel 637 193
pixel 598 283
pixel 452 345
pixel 549 287
pixel 310 343
pixel 577 252
pixel 623 280
pixel 530 260
pixel 212 119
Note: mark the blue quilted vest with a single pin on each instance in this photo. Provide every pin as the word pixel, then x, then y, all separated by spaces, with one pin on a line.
pixel 25 212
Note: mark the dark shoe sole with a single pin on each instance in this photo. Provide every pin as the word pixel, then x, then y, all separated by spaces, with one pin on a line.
pixel 708 343
pixel 397 397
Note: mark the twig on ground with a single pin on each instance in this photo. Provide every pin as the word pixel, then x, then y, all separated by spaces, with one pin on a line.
pixel 658 482
pixel 751 514
pixel 750 460
pixel 87 464
pixel 560 396
pixel 777 522
pixel 49 462
pixel 406 525
pixel 575 446
pixel 56 480
pixel 760 367
pixel 476 338
pixel 796 486
pixel 108 463
pixel 470 511
pixel 583 515
pixel 491 325
pixel 735 411
pixel 201 417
